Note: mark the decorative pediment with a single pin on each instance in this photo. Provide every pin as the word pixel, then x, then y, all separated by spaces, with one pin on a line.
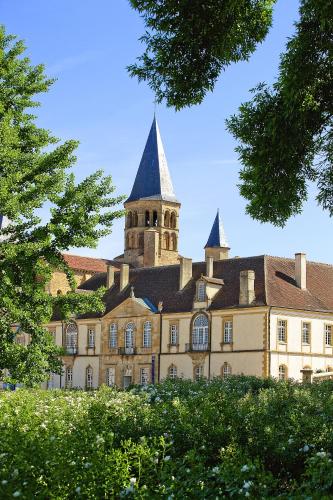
pixel 133 306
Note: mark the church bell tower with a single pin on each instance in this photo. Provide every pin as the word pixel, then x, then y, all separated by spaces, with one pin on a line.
pixel 152 210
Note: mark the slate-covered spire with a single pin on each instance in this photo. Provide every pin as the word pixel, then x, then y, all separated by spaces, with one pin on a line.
pixel 153 179
pixel 217 236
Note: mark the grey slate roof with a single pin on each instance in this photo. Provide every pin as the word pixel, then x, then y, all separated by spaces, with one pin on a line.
pixel 217 237
pixel 153 179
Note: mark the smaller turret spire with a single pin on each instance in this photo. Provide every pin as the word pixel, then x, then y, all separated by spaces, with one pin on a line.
pixel 217 237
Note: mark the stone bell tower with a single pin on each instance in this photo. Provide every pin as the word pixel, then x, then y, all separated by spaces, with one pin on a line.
pixel 152 210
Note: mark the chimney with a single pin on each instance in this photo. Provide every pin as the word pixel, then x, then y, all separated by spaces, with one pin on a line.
pixel 246 288
pixel 124 276
pixel 185 272
pixel 110 276
pixel 300 270
pixel 209 267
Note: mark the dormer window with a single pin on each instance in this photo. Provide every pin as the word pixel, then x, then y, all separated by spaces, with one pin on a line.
pixel 201 291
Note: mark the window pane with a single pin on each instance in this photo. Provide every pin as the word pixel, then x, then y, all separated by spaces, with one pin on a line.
pixel 227 332
pixel 173 335
pixel 110 376
pixel 113 340
pixel 147 334
pixel 282 330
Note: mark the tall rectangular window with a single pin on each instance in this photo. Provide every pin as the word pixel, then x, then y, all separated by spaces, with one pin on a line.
pixel 113 338
pixel 328 335
pixel 306 330
pixel 282 330
pixel 147 334
pixel 227 333
pixel 198 372
pixel 201 291
pixel 69 376
pixel 144 376
pixel 91 338
pixel 111 376
pixel 89 377
pixel 173 335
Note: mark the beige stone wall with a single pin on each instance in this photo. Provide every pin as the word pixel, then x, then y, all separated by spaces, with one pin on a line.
pixel 59 281
pixel 293 353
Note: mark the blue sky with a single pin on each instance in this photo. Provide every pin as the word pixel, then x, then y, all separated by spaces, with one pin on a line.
pixel 86 46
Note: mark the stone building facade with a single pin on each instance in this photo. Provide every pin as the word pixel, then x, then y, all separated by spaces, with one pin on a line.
pixel 166 316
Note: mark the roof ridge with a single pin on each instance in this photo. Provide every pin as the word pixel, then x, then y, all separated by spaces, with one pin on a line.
pixel 293 260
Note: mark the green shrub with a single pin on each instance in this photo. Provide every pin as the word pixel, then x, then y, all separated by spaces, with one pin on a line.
pixel 239 437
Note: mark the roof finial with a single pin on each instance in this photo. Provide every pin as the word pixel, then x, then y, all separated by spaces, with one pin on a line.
pixel 132 292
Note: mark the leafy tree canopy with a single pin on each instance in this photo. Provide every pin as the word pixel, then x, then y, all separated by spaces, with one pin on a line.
pixel 285 132
pixel 34 171
pixel 189 42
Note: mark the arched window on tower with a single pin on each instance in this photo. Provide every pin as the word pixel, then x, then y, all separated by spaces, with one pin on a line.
pixel 147 218
pixel 155 218
pixel 135 219
pixel 129 219
pixel 166 241
pixel 173 220
pixel 173 242
pixel 167 219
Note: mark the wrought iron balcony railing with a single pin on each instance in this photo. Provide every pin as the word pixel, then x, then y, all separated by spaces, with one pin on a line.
pixel 197 347
pixel 127 350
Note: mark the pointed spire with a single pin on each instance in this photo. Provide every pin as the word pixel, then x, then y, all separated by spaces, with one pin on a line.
pixel 153 179
pixel 217 236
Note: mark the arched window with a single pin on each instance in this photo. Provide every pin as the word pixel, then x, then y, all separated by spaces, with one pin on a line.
pixel 89 377
pixel 173 220
pixel 71 337
pixel 155 218
pixel 201 291
pixel 113 336
pixel 200 333
pixel 173 242
pixel 129 338
pixel 135 219
pixel 147 218
pixel 282 372
pixel 146 341
pixel 166 241
pixel 91 338
pixel 167 219
pixel 129 219
pixel 172 372
pixel 226 370
pixel 198 372
pixel 68 376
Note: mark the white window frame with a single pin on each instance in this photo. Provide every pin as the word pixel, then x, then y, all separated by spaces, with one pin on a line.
pixel 328 335
pixel 111 376
pixel 91 338
pixel 306 332
pixel 89 377
pixel 228 331
pixel 146 336
pixel 144 375
pixel 113 336
pixel 282 372
pixel 200 332
pixel 226 370
pixel 69 376
pixel 172 372
pixel 201 291
pixel 198 372
pixel 173 334
pixel 72 333
pixel 129 338
pixel 282 331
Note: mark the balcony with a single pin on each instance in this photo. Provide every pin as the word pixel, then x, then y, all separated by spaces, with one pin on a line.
pixel 127 351
pixel 70 350
pixel 197 347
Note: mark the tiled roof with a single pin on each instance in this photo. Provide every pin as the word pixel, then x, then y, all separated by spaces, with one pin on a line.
pixel 153 180
pixel 92 264
pixel 217 236
pixel 274 285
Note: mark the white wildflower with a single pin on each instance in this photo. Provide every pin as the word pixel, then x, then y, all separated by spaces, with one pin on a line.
pixel 87 465
pixel 4 482
pixel 167 458
pixel 78 489
pixel 216 470
pixel 245 468
pixel 321 454
pixel 247 484
pixel 16 494
pixel 306 448
pixel 133 480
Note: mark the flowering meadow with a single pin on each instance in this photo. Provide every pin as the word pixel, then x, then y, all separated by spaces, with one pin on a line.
pixel 238 437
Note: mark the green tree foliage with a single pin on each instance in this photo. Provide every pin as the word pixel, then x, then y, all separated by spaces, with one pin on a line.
pixel 33 171
pixel 286 131
pixel 189 42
